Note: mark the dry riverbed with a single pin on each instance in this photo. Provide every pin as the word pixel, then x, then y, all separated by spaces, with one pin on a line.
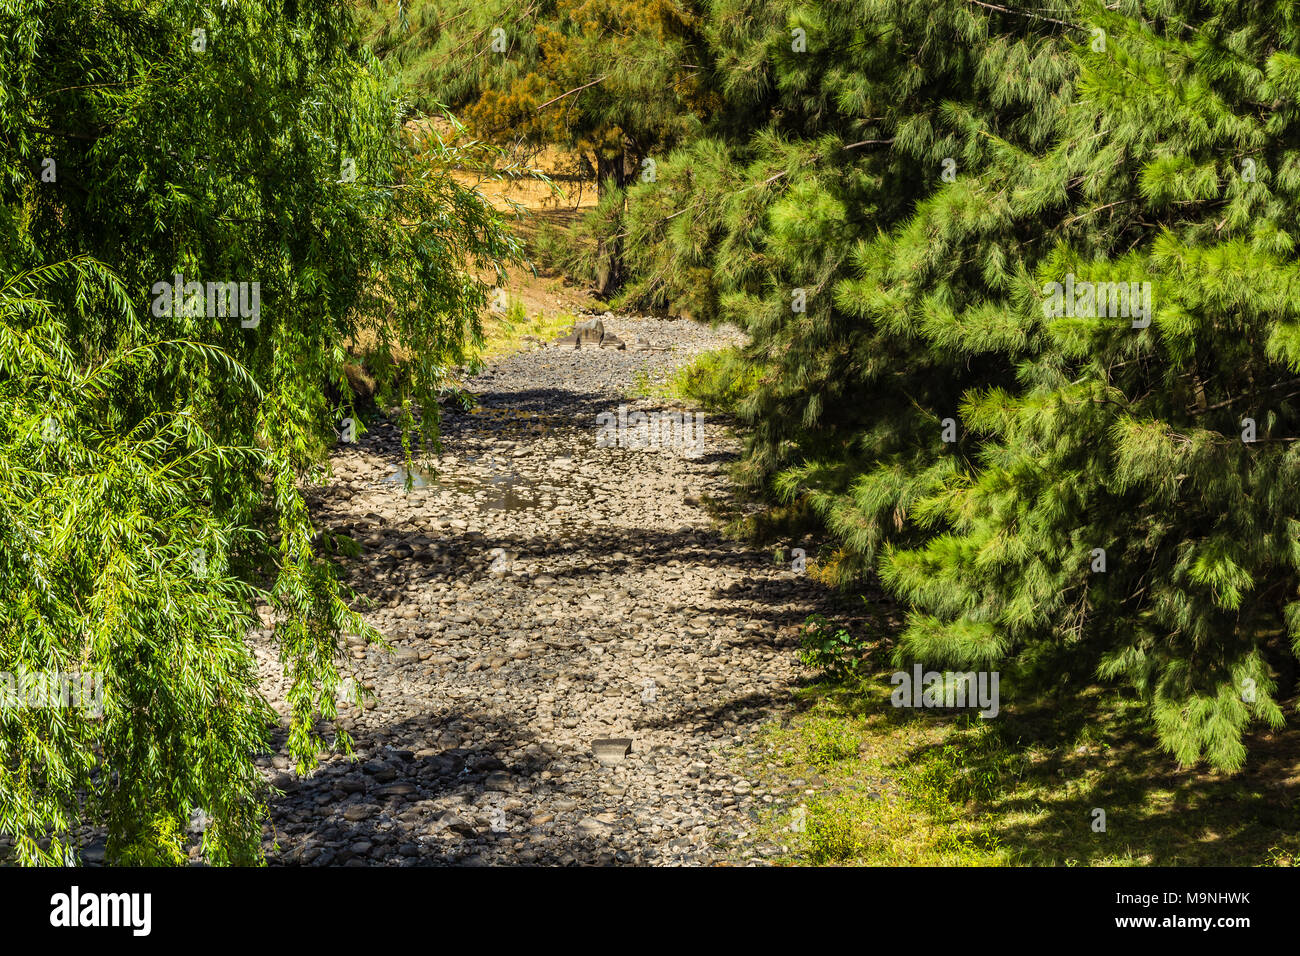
pixel 543 593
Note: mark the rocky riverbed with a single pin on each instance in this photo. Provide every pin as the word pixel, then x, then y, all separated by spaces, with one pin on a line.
pixel 578 654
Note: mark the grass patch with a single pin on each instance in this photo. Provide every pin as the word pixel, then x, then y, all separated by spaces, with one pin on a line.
pixel 718 380
pixel 854 807
pixel 858 781
pixel 507 332
pixel 643 386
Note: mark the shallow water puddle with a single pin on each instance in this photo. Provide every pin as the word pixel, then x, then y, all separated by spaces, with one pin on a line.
pixel 500 491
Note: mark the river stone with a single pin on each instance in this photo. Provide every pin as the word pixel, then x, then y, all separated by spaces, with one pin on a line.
pixel 591 827
pixel 456 825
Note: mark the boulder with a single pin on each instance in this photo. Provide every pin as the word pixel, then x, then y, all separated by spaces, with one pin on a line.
pixel 589 331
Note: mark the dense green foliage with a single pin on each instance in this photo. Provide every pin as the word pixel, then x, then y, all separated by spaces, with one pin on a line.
pixel 881 192
pixel 1174 165
pixel 152 456
pixel 883 196
pixel 612 79
pixel 616 83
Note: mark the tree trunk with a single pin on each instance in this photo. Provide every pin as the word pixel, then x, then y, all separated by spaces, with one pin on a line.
pixel 612 172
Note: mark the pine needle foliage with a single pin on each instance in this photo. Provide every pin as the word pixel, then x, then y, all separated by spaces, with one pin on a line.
pixel 1071 495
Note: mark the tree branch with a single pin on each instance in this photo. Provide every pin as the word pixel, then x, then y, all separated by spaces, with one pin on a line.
pixel 579 89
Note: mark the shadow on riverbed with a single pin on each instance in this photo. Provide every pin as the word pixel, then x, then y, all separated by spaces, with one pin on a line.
pixel 555 591
pixel 379 809
pixel 624 554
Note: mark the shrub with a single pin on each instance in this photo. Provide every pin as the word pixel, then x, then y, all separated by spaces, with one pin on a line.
pixel 830 650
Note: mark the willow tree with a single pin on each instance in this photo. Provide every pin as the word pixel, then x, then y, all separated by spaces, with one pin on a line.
pixel 240 204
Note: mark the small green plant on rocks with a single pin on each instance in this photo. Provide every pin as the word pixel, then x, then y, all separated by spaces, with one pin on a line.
pixel 830 650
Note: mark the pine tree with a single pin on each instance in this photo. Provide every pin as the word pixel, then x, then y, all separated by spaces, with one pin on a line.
pixel 1129 509
pixel 864 111
pixel 1068 494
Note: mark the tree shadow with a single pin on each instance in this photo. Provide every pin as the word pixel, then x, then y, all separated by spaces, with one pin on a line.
pixel 391 786
pixel 1044 773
